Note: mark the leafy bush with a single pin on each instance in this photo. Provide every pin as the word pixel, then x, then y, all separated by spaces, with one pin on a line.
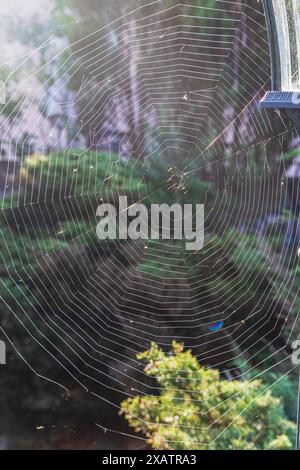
pixel 197 409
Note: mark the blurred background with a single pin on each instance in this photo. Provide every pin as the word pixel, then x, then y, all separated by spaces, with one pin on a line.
pixel 158 101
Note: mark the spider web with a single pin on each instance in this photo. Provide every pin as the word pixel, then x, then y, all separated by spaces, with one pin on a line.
pixel 85 308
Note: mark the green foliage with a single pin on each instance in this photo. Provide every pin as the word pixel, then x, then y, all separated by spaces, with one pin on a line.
pixel 197 409
pixel 284 386
pixel 48 235
pixel 77 173
pixel 49 248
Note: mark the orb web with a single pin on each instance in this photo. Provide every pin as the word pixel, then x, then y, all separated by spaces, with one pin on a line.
pixel 183 84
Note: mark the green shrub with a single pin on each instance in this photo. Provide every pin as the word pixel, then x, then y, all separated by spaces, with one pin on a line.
pixel 197 409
